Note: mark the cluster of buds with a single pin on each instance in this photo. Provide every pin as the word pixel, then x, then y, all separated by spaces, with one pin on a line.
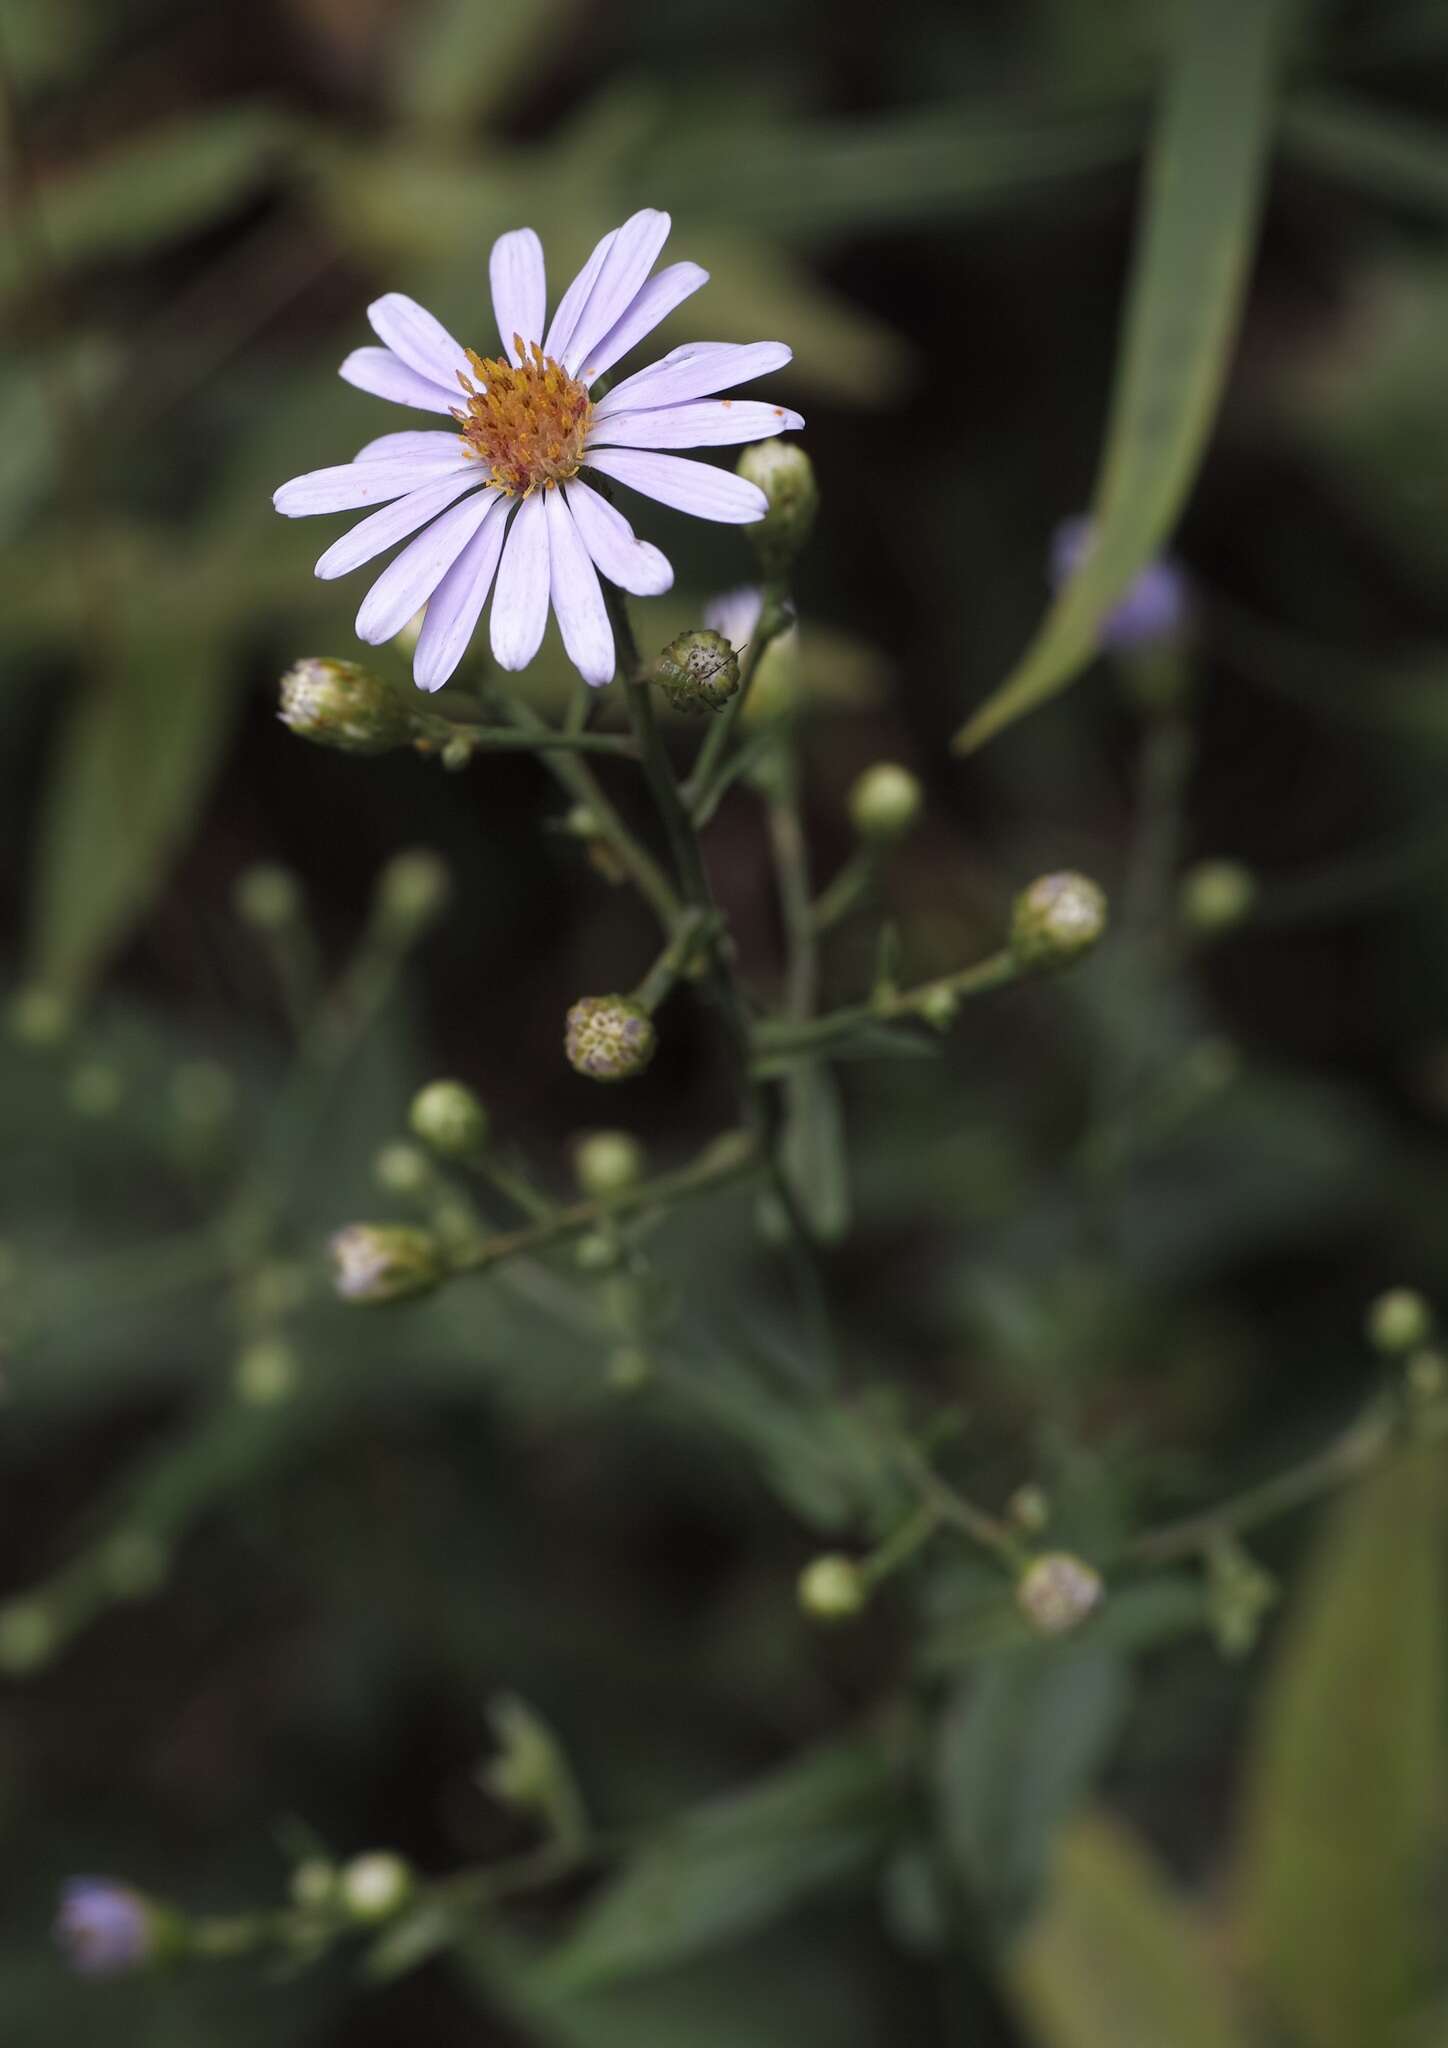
pixel 698 672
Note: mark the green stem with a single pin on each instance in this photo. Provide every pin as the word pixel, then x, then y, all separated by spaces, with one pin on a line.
pixel 503 739
pixel 708 781
pixel 695 930
pixel 847 890
pixel 782 1039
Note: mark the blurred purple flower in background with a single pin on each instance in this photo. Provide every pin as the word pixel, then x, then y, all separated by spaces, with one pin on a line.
pixel 103 1927
pixel 1156 606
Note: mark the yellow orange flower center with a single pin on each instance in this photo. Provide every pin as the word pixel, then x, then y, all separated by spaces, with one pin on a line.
pixel 527 421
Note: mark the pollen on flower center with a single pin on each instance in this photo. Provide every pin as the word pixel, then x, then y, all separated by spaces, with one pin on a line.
pixel 527 421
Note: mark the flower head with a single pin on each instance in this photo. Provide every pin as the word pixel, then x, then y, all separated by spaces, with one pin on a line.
pixel 103 1927
pixel 609 1038
pixel 1155 607
pixel 374 1262
pixel 501 494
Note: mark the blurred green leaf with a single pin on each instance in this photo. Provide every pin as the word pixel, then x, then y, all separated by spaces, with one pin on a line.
pixel 1375 149
pixel 1113 1960
pixel 1346 1761
pixel 134 759
pixel 1194 246
pixel 166 182
pixel 812 1149
pixel 458 62
pixel 736 1864
pixel 1020 1746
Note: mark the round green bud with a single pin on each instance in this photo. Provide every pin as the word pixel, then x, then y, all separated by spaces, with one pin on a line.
pixel 608 1163
pixel 28 1637
pixel 698 672
pixel 886 802
pixel 939 1006
pixel 449 1117
pixel 341 704
pixel 265 1373
pixel 609 1038
pixel 376 1262
pixel 401 1169
pixel 1057 1592
pixel 1215 895
pixel 268 897
pixel 1399 1321
pixel 314 1884
pixel 1426 1376
pixel 375 1886
pixel 1029 1508
pixel 785 474
pixel 38 1017
pixel 134 1564
pixel 596 1252
pixel 629 1369
pixel 203 1095
pixel 832 1587
pixel 412 890
pixel 1057 919
pixel 456 754
pixel 95 1089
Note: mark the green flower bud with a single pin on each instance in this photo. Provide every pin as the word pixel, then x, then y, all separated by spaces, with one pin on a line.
pixel 698 672
pixel 596 1252
pixel 609 1038
pixel 341 704
pixel 1029 1508
pixel 608 1163
pixel 449 1117
pixel 314 1884
pixel 402 1169
pixel 1056 919
pixel 95 1089
pixel 375 1886
pixel 412 891
pixel 1056 1592
pixel 1399 1321
pixel 940 1006
pixel 374 1262
pixel 39 1017
pixel 1239 1594
pixel 832 1587
pixel 28 1638
pixel 135 1563
pixel 1426 1378
pixel 886 802
pixel 786 476
pixel 265 1374
pixel 629 1369
pixel 267 897
pixel 1215 895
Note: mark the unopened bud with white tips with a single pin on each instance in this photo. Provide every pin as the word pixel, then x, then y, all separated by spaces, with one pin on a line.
pixel 341 704
pixel 1057 919
pixel 785 474
pixel 1058 1591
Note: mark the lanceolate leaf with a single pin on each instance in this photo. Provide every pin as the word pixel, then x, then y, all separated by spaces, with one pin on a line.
pixel 1199 226
pixel 1345 1768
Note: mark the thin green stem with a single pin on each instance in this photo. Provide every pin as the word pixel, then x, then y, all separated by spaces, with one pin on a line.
pixel 504 739
pixel 696 929
pixel 707 782
pixel 783 1039
pixel 847 890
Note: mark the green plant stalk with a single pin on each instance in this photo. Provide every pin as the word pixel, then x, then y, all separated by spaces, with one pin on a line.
pixel 847 890
pixel 504 739
pixel 777 1039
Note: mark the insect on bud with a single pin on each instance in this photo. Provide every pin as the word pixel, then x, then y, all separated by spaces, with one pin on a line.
pixel 1057 1592
pixel 1215 895
pixel 449 1117
pixel 341 704
pixel 1057 919
pixel 609 1038
pixel 375 1262
pixel 608 1163
pixel 1399 1321
pixel 886 802
pixel 698 672
pixel 832 1587
pixel 785 474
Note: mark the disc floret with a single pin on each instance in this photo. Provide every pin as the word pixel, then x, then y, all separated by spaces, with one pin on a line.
pixel 528 421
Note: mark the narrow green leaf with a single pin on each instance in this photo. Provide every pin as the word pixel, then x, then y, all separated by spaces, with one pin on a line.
pixel 133 763
pixel 461 62
pixel 1344 1768
pixel 1198 229
pixel 812 1149
pixel 1378 150
pixel 735 1865
pixel 1020 1747
pixel 1113 1960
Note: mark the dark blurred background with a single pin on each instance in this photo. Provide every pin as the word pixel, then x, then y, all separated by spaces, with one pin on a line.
pixel 934 205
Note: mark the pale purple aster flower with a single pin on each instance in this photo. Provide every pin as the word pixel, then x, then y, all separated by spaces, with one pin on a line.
pixel 1155 607
pixel 104 1928
pixel 501 494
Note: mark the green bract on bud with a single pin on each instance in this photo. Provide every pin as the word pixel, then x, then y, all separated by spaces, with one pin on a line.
pixel 886 802
pixel 1056 919
pixel 833 1587
pixel 608 1163
pixel 785 474
pixel 341 704
pixel 1216 894
pixel 609 1038
pixel 449 1117
pixel 1399 1321
pixel 375 1886
pixel 374 1262
pixel 412 890
pixel 1056 1592
pixel 268 897
pixel 698 672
